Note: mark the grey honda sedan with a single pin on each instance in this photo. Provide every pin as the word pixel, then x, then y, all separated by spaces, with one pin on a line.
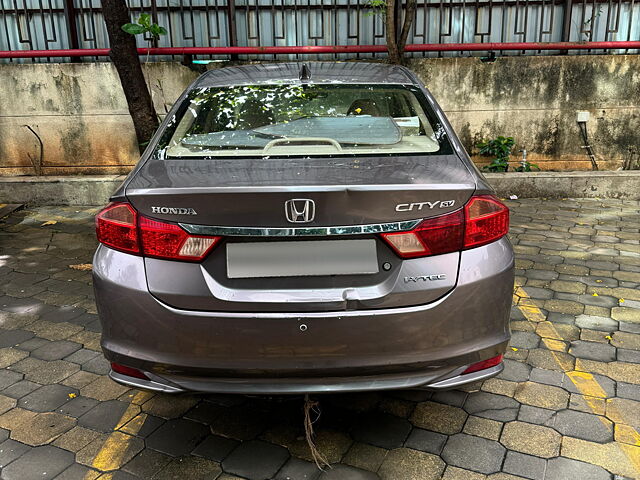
pixel 298 228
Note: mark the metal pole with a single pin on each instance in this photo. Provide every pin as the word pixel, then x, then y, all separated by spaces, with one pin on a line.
pixel 72 29
pixel 566 23
pixel 317 49
pixel 398 19
pixel 231 31
pixel 154 19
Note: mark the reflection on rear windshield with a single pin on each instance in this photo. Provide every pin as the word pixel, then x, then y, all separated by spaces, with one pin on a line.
pixel 305 120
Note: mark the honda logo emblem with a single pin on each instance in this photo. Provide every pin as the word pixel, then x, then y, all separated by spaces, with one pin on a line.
pixel 300 210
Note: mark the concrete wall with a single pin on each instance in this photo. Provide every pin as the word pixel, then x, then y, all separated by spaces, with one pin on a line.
pixel 535 99
pixel 79 113
pixel 96 189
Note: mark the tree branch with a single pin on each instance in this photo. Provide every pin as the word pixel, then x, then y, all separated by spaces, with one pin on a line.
pixel 409 15
pixel 392 45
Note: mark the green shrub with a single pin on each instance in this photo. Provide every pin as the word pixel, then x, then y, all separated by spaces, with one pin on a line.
pixel 499 148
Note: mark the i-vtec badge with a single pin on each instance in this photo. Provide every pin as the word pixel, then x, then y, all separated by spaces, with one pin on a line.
pixel 407 207
pixel 173 211
pixel 425 278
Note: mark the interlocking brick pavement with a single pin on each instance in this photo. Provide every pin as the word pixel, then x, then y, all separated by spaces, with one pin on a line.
pixel 567 405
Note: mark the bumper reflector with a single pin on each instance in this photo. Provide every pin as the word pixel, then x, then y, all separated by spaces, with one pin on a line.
pixel 128 371
pixel 483 365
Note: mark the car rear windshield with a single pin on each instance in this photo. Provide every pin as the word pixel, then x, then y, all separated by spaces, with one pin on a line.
pixel 304 120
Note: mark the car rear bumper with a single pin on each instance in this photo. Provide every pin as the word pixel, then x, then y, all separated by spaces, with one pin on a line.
pixel 268 353
pixel 270 386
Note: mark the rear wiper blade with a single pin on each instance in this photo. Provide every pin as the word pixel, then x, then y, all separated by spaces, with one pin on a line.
pixel 260 134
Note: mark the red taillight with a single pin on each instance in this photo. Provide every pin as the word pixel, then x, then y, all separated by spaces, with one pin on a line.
pixel 128 371
pixel 483 365
pixel 433 236
pixel 119 226
pixel 483 220
pixel 167 240
pixel 116 227
pixel 487 220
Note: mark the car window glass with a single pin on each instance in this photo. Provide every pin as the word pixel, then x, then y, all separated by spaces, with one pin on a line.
pixel 305 120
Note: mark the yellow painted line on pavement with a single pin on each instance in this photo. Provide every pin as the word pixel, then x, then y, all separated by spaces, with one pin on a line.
pixel 585 382
pixel 114 448
pixel 112 452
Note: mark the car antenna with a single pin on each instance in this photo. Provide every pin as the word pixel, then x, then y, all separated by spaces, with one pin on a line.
pixel 305 73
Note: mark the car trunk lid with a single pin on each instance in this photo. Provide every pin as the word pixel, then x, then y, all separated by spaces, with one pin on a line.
pixel 347 191
pixel 245 200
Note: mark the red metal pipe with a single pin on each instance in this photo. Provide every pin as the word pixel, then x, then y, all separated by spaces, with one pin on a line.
pixel 85 52
pixel 317 49
pixel 469 47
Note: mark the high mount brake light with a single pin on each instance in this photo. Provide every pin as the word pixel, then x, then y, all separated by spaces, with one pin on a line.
pixel 483 220
pixel 120 227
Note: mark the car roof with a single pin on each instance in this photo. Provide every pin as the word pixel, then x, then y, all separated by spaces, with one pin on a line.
pixel 319 72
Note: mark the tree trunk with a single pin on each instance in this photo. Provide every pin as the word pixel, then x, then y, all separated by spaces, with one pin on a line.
pixel 395 43
pixel 392 44
pixel 125 58
pixel 409 14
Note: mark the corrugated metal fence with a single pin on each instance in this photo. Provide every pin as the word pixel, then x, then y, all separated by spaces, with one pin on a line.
pixel 62 24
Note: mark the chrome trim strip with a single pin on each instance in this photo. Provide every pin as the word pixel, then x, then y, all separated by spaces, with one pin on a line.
pixel 424 187
pixel 463 379
pixel 143 384
pixel 300 232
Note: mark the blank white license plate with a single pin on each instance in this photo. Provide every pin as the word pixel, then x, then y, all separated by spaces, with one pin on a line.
pixel 301 259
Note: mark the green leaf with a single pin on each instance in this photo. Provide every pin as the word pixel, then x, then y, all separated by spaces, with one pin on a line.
pixel 497 165
pixel 156 30
pixel 133 29
pixel 145 20
pixel 530 167
pixel 499 147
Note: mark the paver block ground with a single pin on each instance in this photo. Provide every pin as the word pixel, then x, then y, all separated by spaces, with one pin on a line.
pixel 565 405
